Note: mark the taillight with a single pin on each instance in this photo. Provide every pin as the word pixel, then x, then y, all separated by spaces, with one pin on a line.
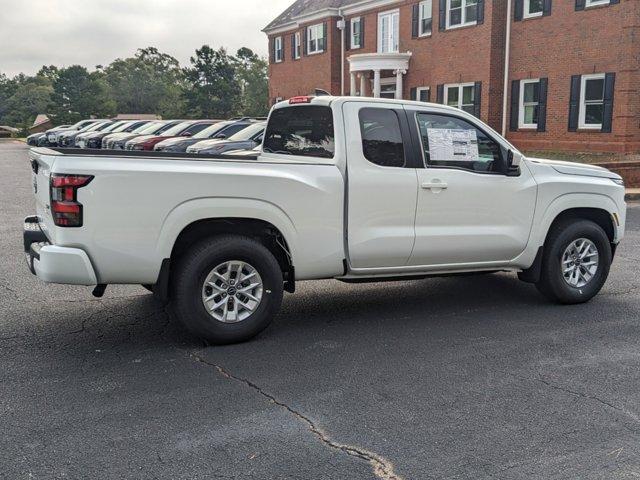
pixel 66 210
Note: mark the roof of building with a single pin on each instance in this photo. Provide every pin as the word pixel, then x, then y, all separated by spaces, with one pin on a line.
pixel 306 7
pixel 40 119
pixel 9 129
pixel 137 116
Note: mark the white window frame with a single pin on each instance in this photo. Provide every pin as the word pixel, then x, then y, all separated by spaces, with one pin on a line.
pixel 352 44
pixel 395 26
pixel 596 3
pixel 419 90
pixel 583 104
pixel 527 7
pixel 463 17
pixel 297 46
pixel 460 92
pixel 522 105
pixel 278 56
pixel 425 5
pixel 317 29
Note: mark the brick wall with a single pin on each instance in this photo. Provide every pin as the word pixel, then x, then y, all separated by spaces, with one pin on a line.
pixel 566 43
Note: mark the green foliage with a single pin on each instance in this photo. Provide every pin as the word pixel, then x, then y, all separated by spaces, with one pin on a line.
pixel 215 85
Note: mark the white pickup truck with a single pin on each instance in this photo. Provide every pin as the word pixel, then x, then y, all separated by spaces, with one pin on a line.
pixel 354 189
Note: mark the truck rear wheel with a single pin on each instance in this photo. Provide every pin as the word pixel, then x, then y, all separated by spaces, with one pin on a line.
pixel 576 262
pixel 227 289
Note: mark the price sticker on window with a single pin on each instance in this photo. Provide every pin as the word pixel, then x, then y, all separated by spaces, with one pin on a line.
pixel 453 145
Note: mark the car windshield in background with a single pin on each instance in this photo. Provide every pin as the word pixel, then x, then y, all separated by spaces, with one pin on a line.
pixel 211 130
pixel 113 127
pixel 304 130
pixel 122 127
pixel 177 130
pixel 92 128
pixel 248 133
pixel 149 129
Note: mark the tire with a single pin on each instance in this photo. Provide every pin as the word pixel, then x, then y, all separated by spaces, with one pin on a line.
pixel 197 267
pixel 552 283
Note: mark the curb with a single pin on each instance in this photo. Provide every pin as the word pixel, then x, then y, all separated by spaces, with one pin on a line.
pixel 632 196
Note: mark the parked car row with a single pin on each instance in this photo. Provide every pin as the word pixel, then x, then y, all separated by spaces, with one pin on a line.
pixel 169 136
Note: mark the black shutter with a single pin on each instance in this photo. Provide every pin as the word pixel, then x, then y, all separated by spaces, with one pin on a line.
pixel 361 32
pixel 305 41
pixel 414 93
pixel 272 50
pixel 293 46
pixel 574 103
pixel 480 12
pixel 442 25
pixel 440 94
pixel 477 99
pixel 415 21
pixel 325 46
pixel 283 49
pixel 580 4
pixel 514 122
pixel 609 87
pixel 519 10
pixel 347 35
pixel 546 8
pixel 542 104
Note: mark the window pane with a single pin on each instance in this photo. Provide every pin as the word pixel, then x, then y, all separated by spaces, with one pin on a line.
pixel 535 6
pixel 531 115
pixel 455 4
pixel 302 130
pixel 594 89
pixel 455 143
pixel 381 137
pixel 426 26
pixel 453 96
pixel 424 95
pixel 455 17
pixel 471 13
pixel 467 95
pixel 531 92
pixel 594 114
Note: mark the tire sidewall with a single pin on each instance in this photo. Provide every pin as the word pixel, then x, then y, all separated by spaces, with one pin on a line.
pixel 193 273
pixel 564 292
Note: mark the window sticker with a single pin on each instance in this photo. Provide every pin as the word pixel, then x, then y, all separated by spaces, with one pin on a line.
pixel 453 145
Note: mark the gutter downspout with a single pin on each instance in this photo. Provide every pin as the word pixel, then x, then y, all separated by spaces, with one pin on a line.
pixel 342 51
pixel 505 88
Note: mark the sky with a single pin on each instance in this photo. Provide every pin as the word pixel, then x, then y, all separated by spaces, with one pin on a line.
pixel 96 32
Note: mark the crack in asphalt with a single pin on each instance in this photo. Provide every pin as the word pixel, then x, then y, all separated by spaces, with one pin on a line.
pixel 11 291
pixel 382 468
pixel 575 393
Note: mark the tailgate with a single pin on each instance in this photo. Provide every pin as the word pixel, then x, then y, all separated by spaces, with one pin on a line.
pixel 41 165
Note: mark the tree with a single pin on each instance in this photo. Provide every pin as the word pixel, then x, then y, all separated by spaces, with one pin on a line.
pixel 213 89
pixel 78 94
pixel 254 83
pixel 150 82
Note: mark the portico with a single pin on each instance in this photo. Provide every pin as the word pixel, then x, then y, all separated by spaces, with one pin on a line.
pixel 366 64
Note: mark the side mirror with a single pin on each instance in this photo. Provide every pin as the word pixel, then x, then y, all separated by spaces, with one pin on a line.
pixel 222 136
pixel 514 160
pixel 188 134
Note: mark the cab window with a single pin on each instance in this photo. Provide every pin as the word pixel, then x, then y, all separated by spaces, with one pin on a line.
pixel 451 142
pixel 302 130
pixel 381 137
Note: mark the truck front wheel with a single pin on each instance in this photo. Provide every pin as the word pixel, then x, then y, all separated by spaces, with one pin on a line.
pixel 576 263
pixel 227 289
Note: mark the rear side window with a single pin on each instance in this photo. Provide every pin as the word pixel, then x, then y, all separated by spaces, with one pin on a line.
pixel 197 128
pixel 381 137
pixel 305 130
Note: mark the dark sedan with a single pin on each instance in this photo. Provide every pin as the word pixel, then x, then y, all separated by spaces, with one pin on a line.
pixel 220 131
pixel 245 139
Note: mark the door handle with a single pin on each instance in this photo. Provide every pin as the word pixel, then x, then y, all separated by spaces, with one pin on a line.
pixel 435 186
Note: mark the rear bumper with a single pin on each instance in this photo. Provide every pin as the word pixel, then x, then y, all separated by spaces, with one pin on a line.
pixel 52 264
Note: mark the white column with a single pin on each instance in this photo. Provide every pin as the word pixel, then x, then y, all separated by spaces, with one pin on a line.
pixel 363 84
pixel 353 84
pixel 377 88
pixel 399 74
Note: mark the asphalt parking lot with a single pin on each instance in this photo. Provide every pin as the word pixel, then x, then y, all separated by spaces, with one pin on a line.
pixel 463 378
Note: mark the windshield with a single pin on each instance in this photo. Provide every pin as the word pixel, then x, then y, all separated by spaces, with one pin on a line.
pixel 212 130
pixel 248 133
pixel 149 129
pixel 122 127
pixel 177 130
pixel 92 128
pixel 113 127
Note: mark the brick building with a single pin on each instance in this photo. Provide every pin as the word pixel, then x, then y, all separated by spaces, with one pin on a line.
pixel 573 65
